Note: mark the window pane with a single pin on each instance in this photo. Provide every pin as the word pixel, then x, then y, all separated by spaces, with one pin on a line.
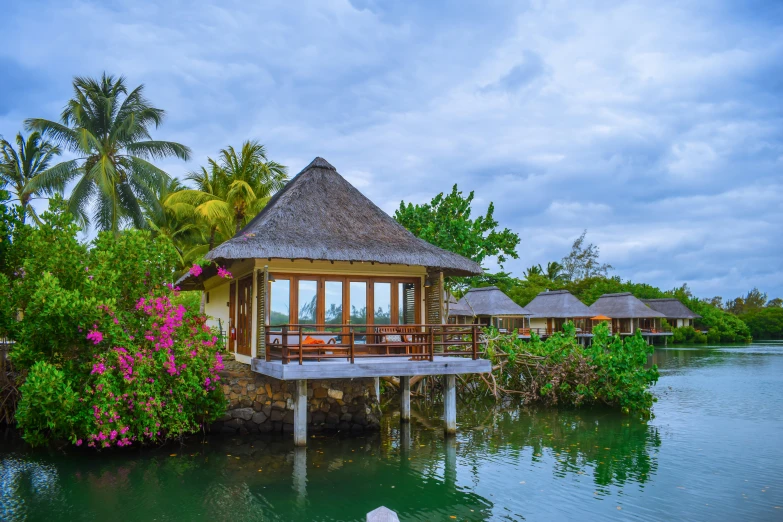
pixel 382 301
pixel 333 302
pixel 406 300
pixel 279 307
pixel 308 299
pixel 358 302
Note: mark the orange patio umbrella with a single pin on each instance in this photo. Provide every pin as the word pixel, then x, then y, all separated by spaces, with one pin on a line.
pixel 601 318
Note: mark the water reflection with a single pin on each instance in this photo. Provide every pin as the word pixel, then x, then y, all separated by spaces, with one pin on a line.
pixel 700 458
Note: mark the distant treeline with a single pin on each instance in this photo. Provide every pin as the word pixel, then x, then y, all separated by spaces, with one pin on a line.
pixel 446 222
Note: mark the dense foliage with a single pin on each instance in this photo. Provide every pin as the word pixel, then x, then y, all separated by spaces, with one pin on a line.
pixel 560 371
pixel 765 323
pixel 106 358
pixel 446 222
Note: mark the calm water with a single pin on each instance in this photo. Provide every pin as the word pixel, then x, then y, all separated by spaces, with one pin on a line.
pixel 713 452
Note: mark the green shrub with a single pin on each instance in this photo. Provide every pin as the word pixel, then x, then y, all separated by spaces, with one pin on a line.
pixel 610 371
pixel 49 407
pixel 99 329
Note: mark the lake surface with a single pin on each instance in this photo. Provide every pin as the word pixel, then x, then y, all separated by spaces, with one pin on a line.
pixel 714 451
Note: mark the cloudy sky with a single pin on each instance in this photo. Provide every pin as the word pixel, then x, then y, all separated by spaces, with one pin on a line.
pixel 657 126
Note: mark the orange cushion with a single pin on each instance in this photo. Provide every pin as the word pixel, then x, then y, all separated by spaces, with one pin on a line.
pixel 310 340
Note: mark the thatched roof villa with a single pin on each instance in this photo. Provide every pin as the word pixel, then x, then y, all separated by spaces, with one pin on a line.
pixel 628 314
pixel 490 306
pixel 326 280
pixel 676 313
pixel 552 309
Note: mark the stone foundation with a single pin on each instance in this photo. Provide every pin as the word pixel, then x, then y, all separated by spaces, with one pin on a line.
pixel 257 403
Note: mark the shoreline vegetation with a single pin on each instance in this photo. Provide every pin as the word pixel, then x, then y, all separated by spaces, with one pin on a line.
pixel 103 352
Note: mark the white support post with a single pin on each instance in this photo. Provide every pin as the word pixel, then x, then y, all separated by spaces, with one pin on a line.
pixel 450 404
pixel 378 389
pixel 405 399
pixel 300 475
pixel 300 413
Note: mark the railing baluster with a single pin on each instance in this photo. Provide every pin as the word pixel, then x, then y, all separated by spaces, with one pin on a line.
pixel 284 350
pixel 353 334
pixel 432 343
pixel 475 355
pixel 300 345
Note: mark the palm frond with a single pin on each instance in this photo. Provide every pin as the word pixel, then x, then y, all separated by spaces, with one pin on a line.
pixel 55 179
pixel 158 150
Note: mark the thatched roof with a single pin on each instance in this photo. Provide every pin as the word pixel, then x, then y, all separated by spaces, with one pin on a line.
pixel 318 215
pixel 671 308
pixel 490 301
pixel 622 306
pixel 457 308
pixel 559 304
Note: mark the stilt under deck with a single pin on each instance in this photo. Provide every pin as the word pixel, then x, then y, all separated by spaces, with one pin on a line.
pixel 445 366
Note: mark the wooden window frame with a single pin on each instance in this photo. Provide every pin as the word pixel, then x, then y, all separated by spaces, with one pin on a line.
pixel 321 279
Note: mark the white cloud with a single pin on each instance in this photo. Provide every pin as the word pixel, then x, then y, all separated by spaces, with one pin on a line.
pixel 655 126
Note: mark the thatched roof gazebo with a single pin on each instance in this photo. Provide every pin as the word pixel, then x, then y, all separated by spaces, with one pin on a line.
pixel 321 252
pixel 559 304
pixel 675 312
pixel 326 285
pixel 489 305
pixel 628 313
pixel 552 309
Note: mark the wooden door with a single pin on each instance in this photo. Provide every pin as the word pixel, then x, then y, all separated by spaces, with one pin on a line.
pixel 244 315
pixel 232 316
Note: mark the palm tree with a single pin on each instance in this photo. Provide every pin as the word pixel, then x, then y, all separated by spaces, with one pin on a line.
pixel 19 165
pixel 234 188
pixel 208 201
pixel 177 222
pixel 252 179
pixel 108 128
pixel 534 270
pixel 555 271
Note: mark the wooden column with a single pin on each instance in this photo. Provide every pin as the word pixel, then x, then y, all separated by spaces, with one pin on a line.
pixel 405 399
pixel 450 404
pixel 300 413
pixel 262 284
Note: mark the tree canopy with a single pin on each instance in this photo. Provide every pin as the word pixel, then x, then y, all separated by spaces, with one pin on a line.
pixel 108 128
pixel 446 222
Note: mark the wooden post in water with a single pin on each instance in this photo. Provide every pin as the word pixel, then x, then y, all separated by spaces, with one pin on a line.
pixel 405 399
pixel 300 413
pixel 450 404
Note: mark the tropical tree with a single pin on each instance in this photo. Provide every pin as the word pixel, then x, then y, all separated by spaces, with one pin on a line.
pixel 446 222
pixel 176 221
pixel 21 164
pixel 582 262
pixel 235 187
pixel 534 271
pixel 555 271
pixel 108 128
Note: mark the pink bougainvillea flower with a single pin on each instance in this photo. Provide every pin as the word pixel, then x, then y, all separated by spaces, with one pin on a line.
pixel 95 336
pixel 195 270
pixel 79 442
pixel 225 274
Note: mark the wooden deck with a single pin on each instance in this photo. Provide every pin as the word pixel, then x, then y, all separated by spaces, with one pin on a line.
pixel 370 367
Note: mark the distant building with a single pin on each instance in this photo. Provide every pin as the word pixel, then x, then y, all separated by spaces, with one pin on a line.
pixel 551 310
pixel 628 314
pixel 490 306
pixel 676 313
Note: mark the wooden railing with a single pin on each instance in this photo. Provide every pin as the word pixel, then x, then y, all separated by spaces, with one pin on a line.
pixel 421 342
